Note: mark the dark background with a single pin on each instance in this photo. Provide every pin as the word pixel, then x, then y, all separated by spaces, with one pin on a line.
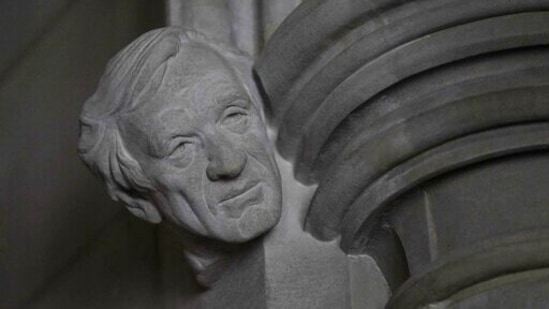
pixel 63 243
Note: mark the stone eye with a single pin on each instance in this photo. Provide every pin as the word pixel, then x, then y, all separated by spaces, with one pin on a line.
pixel 235 119
pixel 182 154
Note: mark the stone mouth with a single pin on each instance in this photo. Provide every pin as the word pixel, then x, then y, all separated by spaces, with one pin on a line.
pixel 235 205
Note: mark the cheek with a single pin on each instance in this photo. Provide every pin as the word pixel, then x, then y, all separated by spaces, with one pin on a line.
pixel 175 207
pixel 257 143
pixel 182 181
pixel 181 197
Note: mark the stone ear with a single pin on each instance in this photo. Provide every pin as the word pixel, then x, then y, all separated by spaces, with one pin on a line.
pixel 137 205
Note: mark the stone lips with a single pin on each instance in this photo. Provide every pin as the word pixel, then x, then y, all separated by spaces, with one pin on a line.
pixel 235 205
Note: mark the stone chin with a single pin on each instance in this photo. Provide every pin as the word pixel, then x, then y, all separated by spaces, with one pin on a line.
pixel 258 219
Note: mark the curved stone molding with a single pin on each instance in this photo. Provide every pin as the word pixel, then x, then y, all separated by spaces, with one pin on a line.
pixel 418 123
pixel 176 132
pixel 336 37
pixel 398 111
pixel 477 265
pixel 313 121
pixel 436 87
pixel 531 285
pixel 333 107
pixel 366 211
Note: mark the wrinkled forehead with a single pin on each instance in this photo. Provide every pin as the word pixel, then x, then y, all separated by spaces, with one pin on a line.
pixel 194 76
pixel 196 83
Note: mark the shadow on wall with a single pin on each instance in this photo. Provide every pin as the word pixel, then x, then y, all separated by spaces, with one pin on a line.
pixel 58 227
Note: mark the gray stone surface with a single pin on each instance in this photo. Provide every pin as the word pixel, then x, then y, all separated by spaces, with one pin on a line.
pixel 298 266
pixel 246 24
pixel 528 290
pixel 468 229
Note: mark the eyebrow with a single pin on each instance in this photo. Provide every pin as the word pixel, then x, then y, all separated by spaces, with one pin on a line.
pixel 231 92
pixel 232 97
pixel 163 144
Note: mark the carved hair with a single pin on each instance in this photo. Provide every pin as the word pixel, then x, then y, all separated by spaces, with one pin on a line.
pixel 133 75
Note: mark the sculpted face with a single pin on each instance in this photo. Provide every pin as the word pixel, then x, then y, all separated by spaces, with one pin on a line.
pixel 203 145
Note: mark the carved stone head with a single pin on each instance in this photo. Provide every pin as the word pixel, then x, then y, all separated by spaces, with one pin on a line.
pixel 175 130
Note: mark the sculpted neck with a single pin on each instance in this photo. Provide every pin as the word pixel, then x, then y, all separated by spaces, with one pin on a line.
pixel 209 258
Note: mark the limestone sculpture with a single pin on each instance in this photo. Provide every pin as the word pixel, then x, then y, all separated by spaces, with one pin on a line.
pixel 176 132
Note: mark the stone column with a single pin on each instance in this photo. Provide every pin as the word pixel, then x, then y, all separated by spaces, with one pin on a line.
pixel 425 126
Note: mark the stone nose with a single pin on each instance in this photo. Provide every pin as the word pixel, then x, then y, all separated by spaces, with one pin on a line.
pixel 226 161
